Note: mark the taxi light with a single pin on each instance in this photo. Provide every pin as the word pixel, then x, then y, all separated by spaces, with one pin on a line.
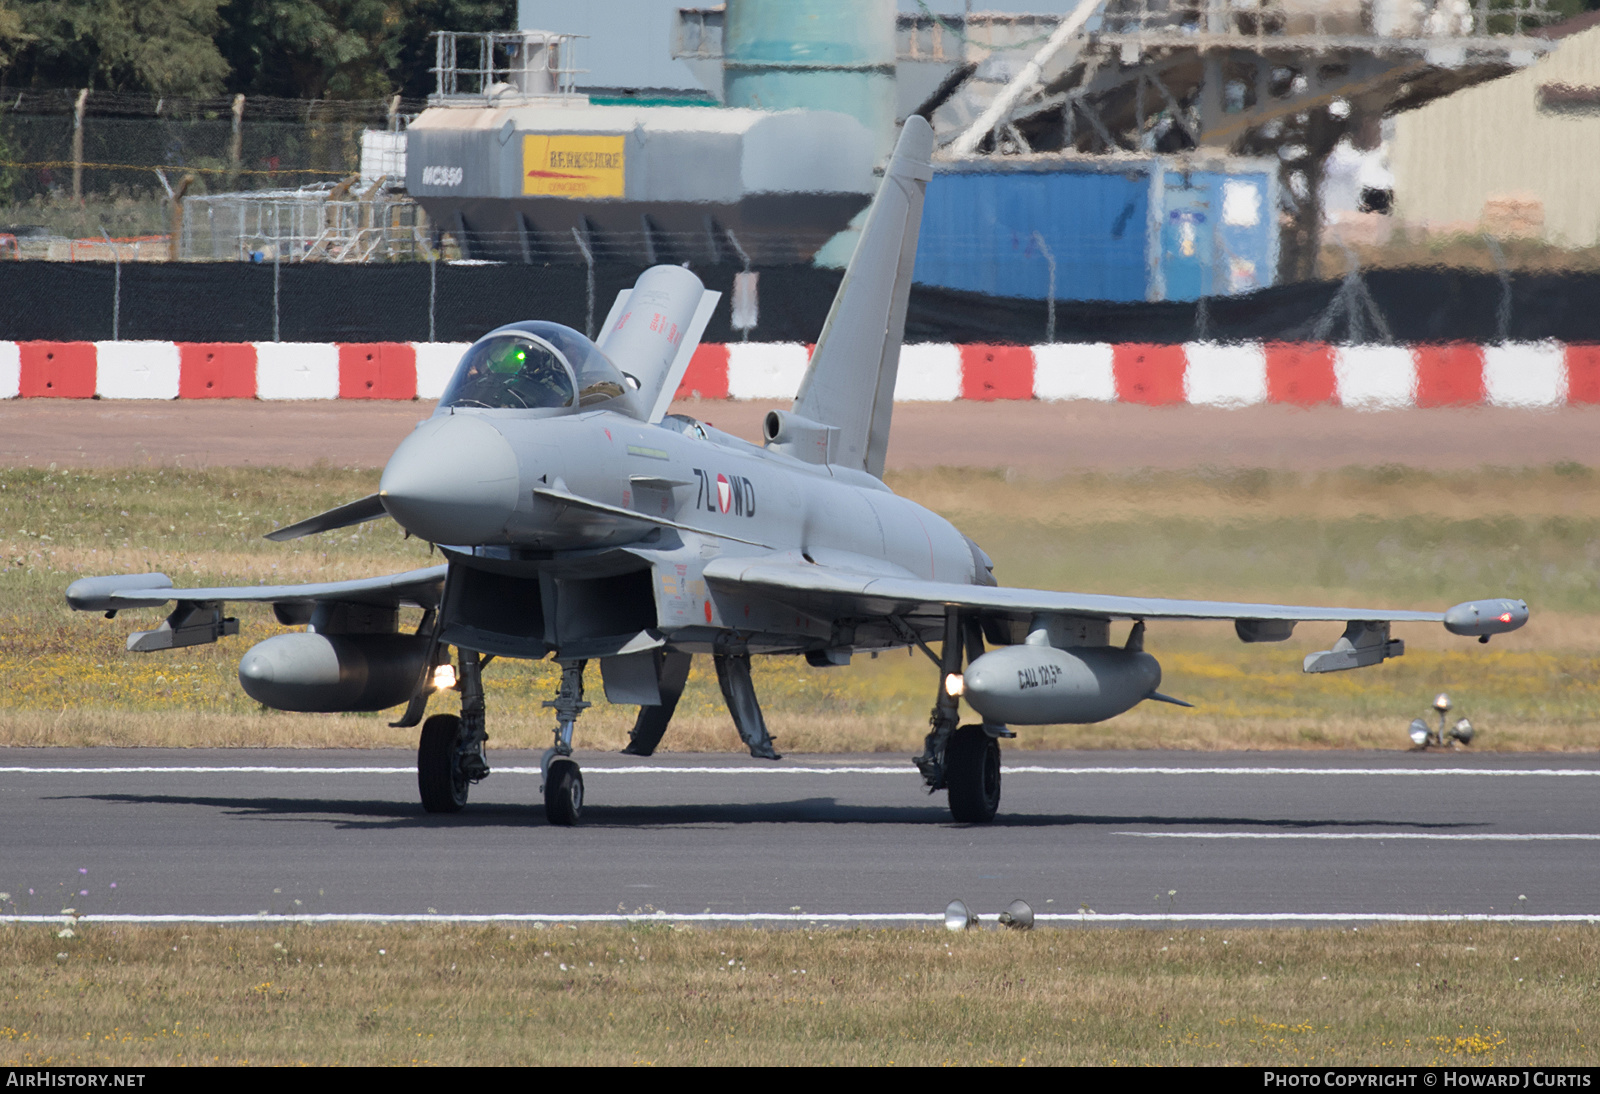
pixel 955 685
pixel 444 677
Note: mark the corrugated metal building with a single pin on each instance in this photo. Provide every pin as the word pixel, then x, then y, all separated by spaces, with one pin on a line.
pixel 542 179
pixel 1514 156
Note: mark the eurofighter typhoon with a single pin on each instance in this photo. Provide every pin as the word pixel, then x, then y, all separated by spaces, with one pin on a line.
pixel 582 522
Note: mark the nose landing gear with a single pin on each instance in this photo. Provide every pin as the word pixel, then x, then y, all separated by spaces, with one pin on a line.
pixel 563 781
pixel 563 792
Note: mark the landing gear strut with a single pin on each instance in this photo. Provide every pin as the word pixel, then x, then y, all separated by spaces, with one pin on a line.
pixel 450 755
pixel 964 761
pixel 563 782
pixel 739 692
pixel 648 728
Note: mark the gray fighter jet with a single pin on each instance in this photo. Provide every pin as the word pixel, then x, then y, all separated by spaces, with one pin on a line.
pixel 582 522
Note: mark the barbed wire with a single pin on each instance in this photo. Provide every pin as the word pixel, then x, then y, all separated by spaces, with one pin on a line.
pixel 175 167
pixel 113 103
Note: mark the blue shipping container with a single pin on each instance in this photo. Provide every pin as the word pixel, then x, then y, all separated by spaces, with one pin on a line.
pixel 1124 231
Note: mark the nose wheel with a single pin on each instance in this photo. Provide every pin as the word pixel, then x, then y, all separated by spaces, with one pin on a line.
pixel 563 792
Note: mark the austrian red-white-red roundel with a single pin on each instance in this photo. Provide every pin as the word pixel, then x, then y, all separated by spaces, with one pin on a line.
pixel 724 493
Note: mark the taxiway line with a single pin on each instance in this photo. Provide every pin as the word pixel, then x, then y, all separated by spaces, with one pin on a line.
pixel 804 918
pixel 1469 837
pixel 642 769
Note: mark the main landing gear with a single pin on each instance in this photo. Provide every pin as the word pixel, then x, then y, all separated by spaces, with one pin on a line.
pixel 963 760
pixel 450 753
pixel 972 775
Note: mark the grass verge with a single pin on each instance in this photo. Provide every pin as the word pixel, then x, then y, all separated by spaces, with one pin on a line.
pixel 1384 535
pixel 657 994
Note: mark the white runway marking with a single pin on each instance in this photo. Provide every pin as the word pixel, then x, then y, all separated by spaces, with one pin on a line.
pixel 1405 771
pixel 646 769
pixel 809 918
pixel 1506 837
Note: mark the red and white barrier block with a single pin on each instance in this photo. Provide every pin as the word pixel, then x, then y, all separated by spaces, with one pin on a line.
pixel 1537 374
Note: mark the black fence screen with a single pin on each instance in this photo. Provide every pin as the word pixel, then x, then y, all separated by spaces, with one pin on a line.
pixel 237 301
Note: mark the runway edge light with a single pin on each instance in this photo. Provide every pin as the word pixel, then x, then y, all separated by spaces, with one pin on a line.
pixel 1018 916
pixel 957 917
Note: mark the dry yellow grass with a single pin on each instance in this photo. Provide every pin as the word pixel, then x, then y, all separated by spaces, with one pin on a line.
pixel 1380 536
pixel 1223 495
pixel 1402 995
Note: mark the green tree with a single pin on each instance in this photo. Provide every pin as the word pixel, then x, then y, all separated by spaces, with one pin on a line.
pixel 345 49
pixel 309 49
pixel 1568 8
pixel 414 69
pixel 165 47
pixel 12 36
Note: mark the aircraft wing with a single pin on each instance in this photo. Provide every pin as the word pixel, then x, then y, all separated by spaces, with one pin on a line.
pixel 420 588
pixel 870 594
pixel 836 592
pixel 198 620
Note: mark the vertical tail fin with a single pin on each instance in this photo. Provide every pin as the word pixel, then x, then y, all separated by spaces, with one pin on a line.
pixel 849 384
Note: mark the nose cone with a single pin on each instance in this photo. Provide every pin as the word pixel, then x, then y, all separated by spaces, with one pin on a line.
pixel 452 481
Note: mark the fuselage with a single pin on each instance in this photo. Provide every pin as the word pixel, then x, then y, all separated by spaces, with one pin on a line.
pixel 471 477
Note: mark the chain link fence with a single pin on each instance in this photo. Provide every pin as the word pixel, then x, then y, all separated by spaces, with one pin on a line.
pixel 91 156
pixel 311 224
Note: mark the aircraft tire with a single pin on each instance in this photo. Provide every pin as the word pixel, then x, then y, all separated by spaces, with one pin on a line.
pixel 439 776
pixel 563 793
pixel 972 772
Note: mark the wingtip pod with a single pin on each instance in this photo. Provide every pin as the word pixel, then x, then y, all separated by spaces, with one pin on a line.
pixel 93 594
pixel 1481 618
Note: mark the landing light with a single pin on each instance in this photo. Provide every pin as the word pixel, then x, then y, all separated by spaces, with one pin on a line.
pixel 957 917
pixel 955 685
pixel 1419 732
pixel 444 677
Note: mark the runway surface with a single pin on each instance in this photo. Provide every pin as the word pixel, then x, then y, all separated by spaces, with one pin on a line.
pixel 1137 837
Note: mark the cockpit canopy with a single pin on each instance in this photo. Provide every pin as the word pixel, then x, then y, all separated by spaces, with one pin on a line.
pixel 534 366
